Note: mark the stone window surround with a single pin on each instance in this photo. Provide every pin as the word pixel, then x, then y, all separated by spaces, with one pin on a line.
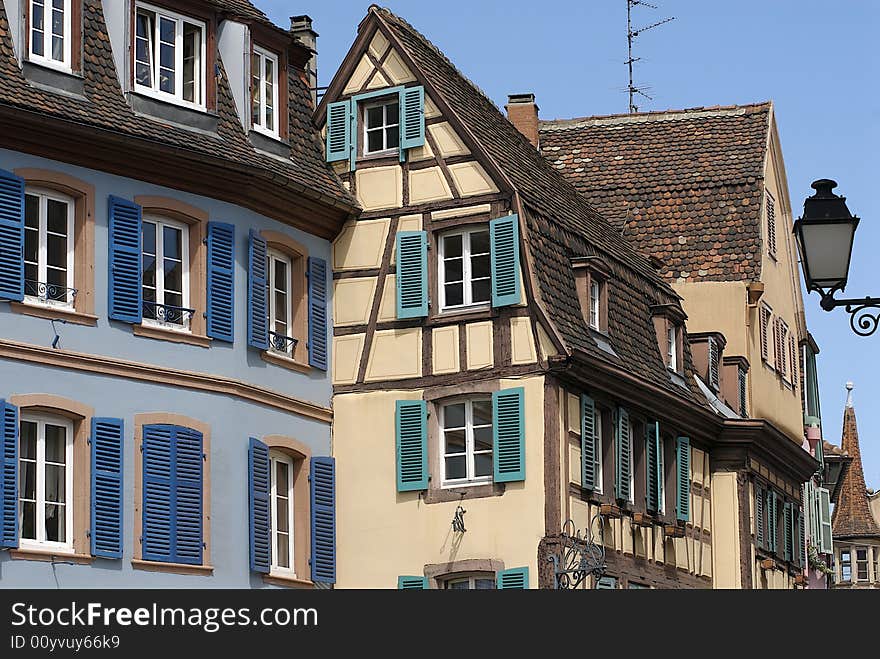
pixel 438 572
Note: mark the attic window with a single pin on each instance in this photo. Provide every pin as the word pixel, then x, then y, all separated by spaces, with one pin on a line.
pixel 591 277
pixel 264 91
pixel 381 127
pixel 50 33
pixel 714 360
pixel 669 327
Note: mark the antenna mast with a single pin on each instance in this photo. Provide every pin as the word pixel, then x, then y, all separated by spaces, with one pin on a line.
pixel 631 35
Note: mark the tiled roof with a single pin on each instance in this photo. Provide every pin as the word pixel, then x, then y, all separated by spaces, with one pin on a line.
pixel 684 186
pixel 561 225
pixel 832 449
pixel 104 106
pixel 852 515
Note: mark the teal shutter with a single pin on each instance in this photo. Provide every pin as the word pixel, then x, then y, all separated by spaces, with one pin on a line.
pixel 126 295
pixel 801 539
pixel 221 282
pixel 11 236
pixel 8 475
pixel 508 434
pixel 412 583
pixel 323 500
pixel 317 313
pixel 787 531
pixel 258 319
pixel 412 274
pixel 411 431
pixel 412 119
pixel 652 461
pixel 824 498
pixel 588 443
pixel 683 478
pixel 516 578
pixel 339 131
pixel 760 536
pixel 106 491
pixel 259 513
pixel 504 239
pixel 772 521
pixel 624 455
pixel 606 583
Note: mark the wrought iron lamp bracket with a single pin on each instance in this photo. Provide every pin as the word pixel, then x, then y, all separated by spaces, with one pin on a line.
pixel 864 312
pixel 578 557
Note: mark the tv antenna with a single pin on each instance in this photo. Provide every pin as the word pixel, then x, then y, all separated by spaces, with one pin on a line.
pixel 631 35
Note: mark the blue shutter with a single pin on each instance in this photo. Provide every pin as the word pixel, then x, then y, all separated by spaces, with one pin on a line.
pixel 411 432
pixel 323 502
pixel 258 319
pixel 158 509
pixel 683 462
pixel 588 443
pixel 126 295
pixel 318 313
pixel 11 236
pixel 412 274
pixel 504 235
pixel 188 496
pixel 106 530
pixel 652 476
pixel 338 131
pixel 221 281
pixel 624 455
pixel 259 513
pixel 508 433
pixel 9 475
pixel 412 119
pixel 516 578
pixel 760 535
pixel 412 583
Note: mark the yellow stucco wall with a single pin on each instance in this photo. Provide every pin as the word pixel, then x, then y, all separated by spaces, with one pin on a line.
pixel 352 300
pixel 395 355
pixel 445 358
pixel 725 533
pixel 359 245
pixel 383 534
pixel 480 345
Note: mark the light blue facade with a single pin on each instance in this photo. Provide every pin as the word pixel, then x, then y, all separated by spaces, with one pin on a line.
pixel 232 419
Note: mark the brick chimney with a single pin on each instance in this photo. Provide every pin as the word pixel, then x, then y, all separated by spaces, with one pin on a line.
pixel 523 114
pixel 301 28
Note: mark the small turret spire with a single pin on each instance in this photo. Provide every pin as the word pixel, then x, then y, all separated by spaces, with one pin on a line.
pixel 849 390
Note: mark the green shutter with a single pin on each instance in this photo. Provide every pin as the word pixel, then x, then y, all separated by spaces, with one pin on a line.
pixel 588 442
pixel 504 239
pixel 652 462
pixel 516 578
pixel 824 497
pixel 411 429
pixel 801 539
pixel 760 535
pixel 683 478
pixel 624 455
pixel 339 131
pixel 412 274
pixel 412 583
pixel 772 522
pixel 787 531
pixel 508 434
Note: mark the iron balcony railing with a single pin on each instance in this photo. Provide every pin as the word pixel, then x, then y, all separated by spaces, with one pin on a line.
pixel 47 292
pixel 281 343
pixel 168 314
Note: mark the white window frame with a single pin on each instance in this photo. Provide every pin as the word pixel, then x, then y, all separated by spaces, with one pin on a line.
pixel 46 58
pixel 160 222
pixel 598 449
pixel 849 564
pixel 470 479
pixel 672 347
pixel 263 56
pixel 272 256
pixel 595 303
pixel 471 579
pixel 385 126
pixel 42 264
pixel 201 75
pixel 467 277
pixel 40 521
pixel 275 568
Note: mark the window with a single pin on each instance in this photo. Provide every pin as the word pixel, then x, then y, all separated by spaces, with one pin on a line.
pixel 861 564
pixel 765 331
pixel 597 452
pixel 166 273
pixel 264 91
pixel 595 296
pixel 465 269
pixel 714 359
pixel 46 481
pixel 467 442
pixel 48 248
pixel 845 565
pixel 672 347
pixel 771 225
pixel 469 582
pixel 169 56
pixel 743 393
pixel 278 294
pixel 381 127
pixel 50 32
pixel 282 476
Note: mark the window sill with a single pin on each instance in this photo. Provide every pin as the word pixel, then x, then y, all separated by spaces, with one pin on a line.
pixel 464 493
pixel 177 568
pixel 287 582
pixel 49 556
pixel 49 312
pixel 285 362
pixel 175 336
pixel 458 315
pixel 268 142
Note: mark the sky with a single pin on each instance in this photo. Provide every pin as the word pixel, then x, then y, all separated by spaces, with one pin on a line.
pixel 814 59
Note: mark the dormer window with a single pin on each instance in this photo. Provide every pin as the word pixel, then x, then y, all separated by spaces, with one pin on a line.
pixel 714 359
pixel 50 33
pixel 672 347
pixel 595 297
pixel 381 127
pixel 170 56
pixel 264 91
pixel 591 276
pixel 669 325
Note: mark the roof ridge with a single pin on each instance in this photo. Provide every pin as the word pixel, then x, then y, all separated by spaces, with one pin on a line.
pixel 658 115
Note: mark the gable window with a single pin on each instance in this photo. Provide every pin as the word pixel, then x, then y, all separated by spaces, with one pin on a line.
pixel 381 127
pixel 50 32
pixel 845 565
pixel 278 296
pixel 861 563
pixel 479 581
pixel 465 269
pixel 466 442
pixel 771 225
pixel 264 91
pixel 170 56
pixel 48 248
pixel 282 477
pixel 46 481
pixel 166 273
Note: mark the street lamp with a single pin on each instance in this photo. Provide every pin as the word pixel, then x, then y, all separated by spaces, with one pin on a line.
pixel 825 239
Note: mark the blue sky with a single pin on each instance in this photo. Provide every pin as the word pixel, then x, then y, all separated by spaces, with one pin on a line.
pixel 814 59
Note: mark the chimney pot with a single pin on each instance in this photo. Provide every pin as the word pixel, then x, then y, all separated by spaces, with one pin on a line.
pixel 523 114
pixel 301 28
